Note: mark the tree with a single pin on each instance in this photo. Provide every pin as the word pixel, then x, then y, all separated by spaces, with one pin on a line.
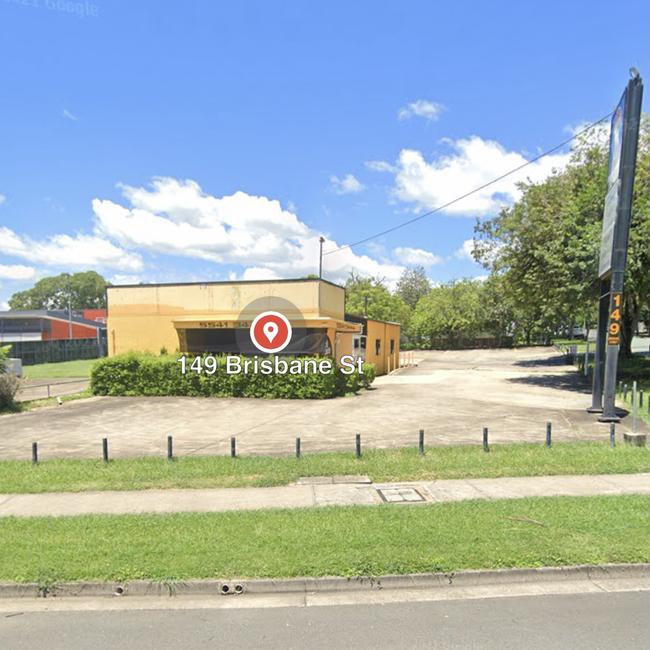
pixel 452 311
pixel 412 285
pixel 370 297
pixel 546 246
pixel 83 290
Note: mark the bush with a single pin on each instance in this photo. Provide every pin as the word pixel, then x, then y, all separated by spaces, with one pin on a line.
pixel 9 385
pixel 144 374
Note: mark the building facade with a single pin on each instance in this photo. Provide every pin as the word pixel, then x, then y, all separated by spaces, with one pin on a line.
pixel 215 317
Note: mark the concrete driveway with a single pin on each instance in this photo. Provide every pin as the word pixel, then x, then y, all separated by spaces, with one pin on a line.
pixel 452 395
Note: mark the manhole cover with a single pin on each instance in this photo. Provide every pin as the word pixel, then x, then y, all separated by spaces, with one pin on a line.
pixel 400 495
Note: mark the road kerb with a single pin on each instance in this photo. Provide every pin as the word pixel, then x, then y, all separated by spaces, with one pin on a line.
pixel 238 588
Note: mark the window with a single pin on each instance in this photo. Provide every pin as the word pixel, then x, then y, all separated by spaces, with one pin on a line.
pixel 377 346
pixel 392 346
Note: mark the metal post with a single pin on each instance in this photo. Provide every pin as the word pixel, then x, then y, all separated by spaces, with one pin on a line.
pixel 586 361
pixel 612 434
pixel 297 447
pixel 421 443
pixel 233 447
pixel 170 448
pixel 634 406
pixel 358 445
pixel 486 446
pixel 599 353
pixel 627 166
pixel 548 434
pixel 105 449
pixel 35 453
pixel 321 241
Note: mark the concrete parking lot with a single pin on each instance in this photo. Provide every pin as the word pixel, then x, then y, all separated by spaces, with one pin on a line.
pixel 452 395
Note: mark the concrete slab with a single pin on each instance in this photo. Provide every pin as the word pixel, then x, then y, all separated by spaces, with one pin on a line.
pixel 452 395
pixel 302 496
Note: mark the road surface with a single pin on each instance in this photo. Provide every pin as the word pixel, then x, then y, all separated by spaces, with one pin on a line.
pixel 591 621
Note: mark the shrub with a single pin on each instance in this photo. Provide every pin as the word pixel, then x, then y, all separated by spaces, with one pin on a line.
pixel 145 374
pixel 9 385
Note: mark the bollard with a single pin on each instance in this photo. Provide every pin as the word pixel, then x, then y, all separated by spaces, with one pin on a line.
pixel 35 453
pixel 612 435
pixel 233 447
pixel 105 449
pixel 486 446
pixel 358 445
pixel 635 407
pixel 170 448
pixel 297 447
pixel 548 434
pixel 625 392
pixel 620 386
pixel 421 443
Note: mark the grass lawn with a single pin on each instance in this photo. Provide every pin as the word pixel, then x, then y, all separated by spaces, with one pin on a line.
pixel 381 465
pixel 77 368
pixel 643 411
pixel 343 541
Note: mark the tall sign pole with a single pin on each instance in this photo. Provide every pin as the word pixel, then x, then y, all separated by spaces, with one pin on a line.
pixel 623 144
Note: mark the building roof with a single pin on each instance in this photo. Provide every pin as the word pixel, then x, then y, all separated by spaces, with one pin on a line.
pixel 357 318
pixel 186 284
pixel 51 314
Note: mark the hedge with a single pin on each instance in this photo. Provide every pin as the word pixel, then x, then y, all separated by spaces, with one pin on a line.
pixel 142 374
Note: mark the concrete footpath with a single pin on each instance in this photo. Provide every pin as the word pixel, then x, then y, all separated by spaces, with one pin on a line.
pixel 317 491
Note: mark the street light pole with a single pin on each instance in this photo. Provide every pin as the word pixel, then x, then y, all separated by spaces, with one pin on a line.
pixel 320 257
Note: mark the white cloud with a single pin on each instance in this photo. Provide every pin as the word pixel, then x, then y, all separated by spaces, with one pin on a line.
pixel 424 108
pixel 125 278
pixel 465 251
pixel 416 257
pixel 16 272
pixel 380 166
pixel 3 198
pixel 472 163
pixel 177 218
pixel 4 305
pixel 64 250
pixel 346 185
pixel 68 115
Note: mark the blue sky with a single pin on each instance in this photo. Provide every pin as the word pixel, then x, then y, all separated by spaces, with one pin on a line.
pixel 163 141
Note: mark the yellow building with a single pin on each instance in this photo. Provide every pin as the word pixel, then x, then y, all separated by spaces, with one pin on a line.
pixel 216 317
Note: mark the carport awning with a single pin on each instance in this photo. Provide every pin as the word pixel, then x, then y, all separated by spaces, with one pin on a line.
pixel 210 322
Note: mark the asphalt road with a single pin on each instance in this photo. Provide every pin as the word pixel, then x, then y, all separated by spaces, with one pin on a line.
pixel 590 621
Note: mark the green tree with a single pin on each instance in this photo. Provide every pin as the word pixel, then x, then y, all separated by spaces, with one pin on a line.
pixel 83 290
pixel 370 297
pixel 412 285
pixel 546 246
pixel 451 311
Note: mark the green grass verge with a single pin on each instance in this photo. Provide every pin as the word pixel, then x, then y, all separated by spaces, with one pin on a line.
pixel 77 368
pixel 380 465
pixel 643 411
pixel 344 541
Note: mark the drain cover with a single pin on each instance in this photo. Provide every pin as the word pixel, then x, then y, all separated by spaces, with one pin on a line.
pixel 400 495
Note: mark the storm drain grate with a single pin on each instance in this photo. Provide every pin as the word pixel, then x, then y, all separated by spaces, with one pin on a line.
pixel 400 495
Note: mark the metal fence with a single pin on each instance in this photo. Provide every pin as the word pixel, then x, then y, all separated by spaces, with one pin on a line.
pixel 32 352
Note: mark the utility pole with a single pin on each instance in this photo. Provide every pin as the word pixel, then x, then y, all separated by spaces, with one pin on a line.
pixel 320 258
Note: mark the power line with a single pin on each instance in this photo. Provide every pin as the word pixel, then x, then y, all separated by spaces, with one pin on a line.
pixel 476 189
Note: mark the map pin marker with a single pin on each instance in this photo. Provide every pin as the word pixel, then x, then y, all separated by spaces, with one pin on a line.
pixel 270 331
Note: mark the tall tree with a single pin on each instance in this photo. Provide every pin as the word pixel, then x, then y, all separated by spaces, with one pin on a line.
pixel 83 290
pixel 546 246
pixel 412 285
pixel 370 297
pixel 451 311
